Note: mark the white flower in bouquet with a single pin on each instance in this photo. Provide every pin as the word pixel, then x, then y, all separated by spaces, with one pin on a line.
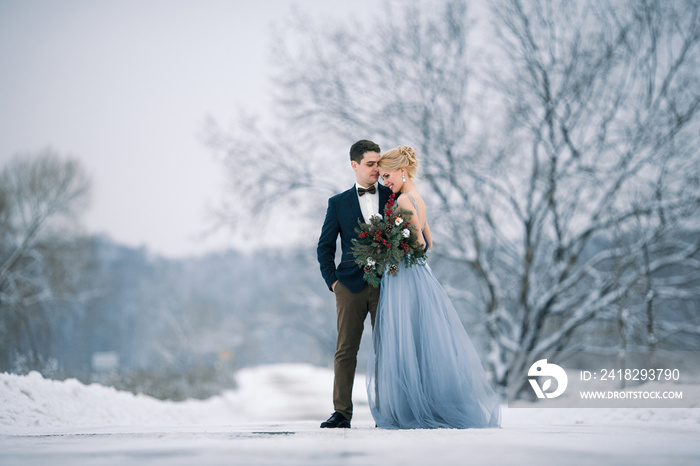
pixel 406 233
pixel 370 262
pixel 399 221
pixel 377 216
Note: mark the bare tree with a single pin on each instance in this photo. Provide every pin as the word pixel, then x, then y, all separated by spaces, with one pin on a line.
pixel 604 105
pixel 41 198
pixel 573 122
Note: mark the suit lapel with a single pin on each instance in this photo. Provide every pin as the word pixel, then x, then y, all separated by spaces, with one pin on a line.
pixel 354 203
pixel 383 198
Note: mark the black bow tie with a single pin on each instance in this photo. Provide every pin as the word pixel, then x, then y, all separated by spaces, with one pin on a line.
pixel 361 191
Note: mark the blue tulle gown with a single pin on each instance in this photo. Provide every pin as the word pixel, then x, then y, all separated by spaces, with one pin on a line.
pixel 423 370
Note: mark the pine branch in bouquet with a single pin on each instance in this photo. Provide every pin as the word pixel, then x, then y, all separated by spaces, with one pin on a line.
pixel 385 241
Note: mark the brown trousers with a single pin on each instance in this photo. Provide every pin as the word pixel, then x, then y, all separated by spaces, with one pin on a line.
pixel 352 311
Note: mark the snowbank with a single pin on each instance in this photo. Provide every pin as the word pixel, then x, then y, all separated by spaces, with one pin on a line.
pixel 274 393
pixel 266 393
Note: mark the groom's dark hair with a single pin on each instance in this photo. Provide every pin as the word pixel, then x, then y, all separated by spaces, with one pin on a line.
pixel 357 151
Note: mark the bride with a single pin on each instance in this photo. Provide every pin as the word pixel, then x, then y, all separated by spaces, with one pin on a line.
pixel 423 371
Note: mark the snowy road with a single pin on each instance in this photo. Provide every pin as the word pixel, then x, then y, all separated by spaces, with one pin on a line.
pixel 303 443
pixel 273 419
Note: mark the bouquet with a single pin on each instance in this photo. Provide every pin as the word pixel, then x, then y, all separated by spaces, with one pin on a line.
pixel 385 242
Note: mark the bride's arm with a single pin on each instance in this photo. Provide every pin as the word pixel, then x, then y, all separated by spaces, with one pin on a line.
pixel 428 236
pixel 405 203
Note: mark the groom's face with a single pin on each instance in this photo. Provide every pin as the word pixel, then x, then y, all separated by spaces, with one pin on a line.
pixel 366 171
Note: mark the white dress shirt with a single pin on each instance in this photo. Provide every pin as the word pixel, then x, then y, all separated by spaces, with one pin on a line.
pixel 369 203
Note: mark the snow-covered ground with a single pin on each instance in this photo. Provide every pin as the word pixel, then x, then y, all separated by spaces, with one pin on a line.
pixel 273 418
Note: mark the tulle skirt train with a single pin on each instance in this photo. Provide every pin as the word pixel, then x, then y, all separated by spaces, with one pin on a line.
pixel 423 371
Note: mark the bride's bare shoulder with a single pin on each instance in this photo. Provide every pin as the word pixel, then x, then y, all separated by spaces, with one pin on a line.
pixel 411 197
pixel 404 201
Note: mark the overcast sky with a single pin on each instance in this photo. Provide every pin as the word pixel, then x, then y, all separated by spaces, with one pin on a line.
pixel 126 87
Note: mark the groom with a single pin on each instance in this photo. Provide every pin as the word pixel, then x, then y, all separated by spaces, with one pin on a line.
pixel 353 297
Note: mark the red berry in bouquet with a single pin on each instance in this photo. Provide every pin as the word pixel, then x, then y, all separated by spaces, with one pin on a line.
pixel 384 242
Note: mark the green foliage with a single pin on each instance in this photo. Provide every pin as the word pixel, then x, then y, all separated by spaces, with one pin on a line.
pixel 382 243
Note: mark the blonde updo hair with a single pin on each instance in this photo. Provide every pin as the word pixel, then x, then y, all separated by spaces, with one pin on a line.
pixel 398 158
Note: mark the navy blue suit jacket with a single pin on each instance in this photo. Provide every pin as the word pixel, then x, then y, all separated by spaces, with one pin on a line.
pixel 341 219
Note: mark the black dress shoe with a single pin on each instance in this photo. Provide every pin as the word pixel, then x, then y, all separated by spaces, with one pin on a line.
pixel 337 420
